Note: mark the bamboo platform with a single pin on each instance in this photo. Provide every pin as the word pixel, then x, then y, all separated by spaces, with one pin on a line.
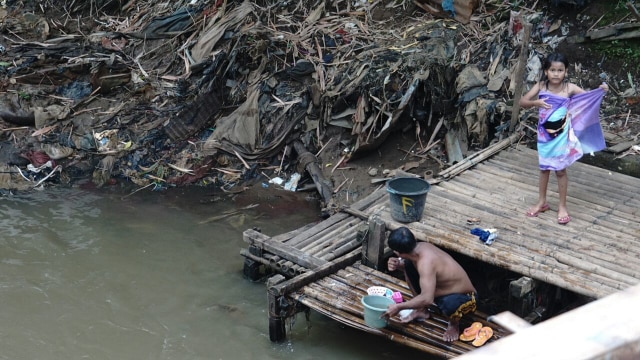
pixel 595 255
pixel 338 295
pixel 293 253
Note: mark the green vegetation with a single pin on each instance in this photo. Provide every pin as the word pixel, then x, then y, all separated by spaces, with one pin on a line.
pixel 613 12
pixel 627 52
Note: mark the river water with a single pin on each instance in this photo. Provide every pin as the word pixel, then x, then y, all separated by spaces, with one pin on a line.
pixel 88 274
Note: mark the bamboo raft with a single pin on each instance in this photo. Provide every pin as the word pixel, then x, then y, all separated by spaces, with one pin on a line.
pixel 296 252
pixel 595 255
pixel 338 295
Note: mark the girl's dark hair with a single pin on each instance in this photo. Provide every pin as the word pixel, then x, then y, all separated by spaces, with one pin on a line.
pixel 402 240
pixel 546 64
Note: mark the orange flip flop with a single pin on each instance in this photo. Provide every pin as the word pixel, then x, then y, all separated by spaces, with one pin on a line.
pixel 483 335
pixel 470 333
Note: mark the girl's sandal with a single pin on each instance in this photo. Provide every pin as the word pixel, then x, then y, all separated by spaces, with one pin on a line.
pixel 542 209
pixel 564 220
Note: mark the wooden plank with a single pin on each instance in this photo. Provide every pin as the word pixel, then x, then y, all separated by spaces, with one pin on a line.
pixel 373 248
pixel 311 276
pixel 591 332
pixel 281 249
pixel 623 146
pixel 510 321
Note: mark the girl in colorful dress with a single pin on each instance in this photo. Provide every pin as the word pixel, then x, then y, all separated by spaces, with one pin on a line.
pixel 568 127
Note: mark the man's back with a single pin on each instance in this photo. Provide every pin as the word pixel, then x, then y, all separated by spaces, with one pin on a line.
pixel 450 277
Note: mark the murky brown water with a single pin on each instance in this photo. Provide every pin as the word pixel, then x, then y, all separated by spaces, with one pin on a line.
pixel 88 275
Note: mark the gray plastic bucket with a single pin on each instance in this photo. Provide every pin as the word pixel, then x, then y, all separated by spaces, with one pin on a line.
pixel 374 306
pixel 407 197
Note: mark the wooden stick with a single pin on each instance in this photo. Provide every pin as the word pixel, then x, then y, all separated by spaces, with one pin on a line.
pixel 522 64
pixel 292 254
pixel 310 276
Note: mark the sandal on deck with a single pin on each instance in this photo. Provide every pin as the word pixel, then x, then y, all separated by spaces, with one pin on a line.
pixel 469 334
pixel 483 335
pixel 542 209
pixel 564 220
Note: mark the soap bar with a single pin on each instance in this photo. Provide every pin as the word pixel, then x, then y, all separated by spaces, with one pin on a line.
pixel 397 297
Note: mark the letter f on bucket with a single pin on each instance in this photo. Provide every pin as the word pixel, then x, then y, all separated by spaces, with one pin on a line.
pixel 407 197
pixel 406 201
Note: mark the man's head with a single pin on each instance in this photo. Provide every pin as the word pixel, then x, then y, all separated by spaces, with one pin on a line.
pixel 402 240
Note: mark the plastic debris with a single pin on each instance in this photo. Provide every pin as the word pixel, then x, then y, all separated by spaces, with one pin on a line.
pixel 292 184
pixel 276 180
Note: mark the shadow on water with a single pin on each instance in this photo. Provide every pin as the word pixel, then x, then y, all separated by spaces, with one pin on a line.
pixel 154 275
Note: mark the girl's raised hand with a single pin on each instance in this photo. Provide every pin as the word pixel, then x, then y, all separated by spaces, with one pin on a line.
pixel 542 103
pixel 604 87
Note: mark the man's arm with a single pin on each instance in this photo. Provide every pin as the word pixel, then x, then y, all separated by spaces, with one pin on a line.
pixel 422 300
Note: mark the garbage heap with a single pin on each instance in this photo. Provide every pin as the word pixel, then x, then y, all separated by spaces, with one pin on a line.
pixel 221 92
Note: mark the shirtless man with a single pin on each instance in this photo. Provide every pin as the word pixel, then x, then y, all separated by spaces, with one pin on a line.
pixel 434 277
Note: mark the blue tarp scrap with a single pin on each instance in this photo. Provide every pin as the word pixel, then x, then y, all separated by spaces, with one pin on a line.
pixel 447 5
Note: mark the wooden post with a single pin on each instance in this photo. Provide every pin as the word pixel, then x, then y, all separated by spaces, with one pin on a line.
pixel 373 248
pixel 633 10
pixel 310 163
pixel 277 330
pixel 522 64
pixel 251 267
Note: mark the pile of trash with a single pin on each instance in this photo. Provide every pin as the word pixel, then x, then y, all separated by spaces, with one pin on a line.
pixel 221 92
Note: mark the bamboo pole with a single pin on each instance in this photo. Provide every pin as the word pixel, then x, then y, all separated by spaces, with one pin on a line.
pixel 339 251
pixel 478 157
pixel 367 201
pixel 274 262
pixel 329 234
pixel 347 239
pixel 295 233
pixel 324 233
pixel 339 235
pixel 318 228
pixel 247 254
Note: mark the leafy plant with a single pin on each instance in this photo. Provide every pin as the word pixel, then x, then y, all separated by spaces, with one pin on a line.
pixel 626 51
